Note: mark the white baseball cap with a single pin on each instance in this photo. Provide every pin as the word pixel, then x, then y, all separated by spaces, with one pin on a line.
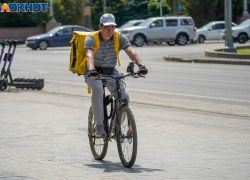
pixel 107 19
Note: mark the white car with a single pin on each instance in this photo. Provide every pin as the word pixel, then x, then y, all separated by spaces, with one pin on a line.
pixel 170 29
pixel 211 31
pixel 240 33
pixel 130 24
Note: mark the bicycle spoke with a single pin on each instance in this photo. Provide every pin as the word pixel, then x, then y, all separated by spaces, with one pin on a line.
pixel 127 145
pixel 98 145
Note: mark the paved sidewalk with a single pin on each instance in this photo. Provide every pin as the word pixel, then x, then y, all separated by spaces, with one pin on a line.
pixel 201 58
pixel 44 136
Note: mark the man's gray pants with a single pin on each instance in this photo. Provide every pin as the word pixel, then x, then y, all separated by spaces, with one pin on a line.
pixel 97 95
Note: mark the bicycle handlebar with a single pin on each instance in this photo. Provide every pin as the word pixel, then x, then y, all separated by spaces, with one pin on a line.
pixel 120 76
pixel 10 42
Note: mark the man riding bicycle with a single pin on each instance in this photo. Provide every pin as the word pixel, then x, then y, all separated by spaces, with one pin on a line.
pixel 103 61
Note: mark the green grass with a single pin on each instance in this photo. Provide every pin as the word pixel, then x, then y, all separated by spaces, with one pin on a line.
pixel 243 51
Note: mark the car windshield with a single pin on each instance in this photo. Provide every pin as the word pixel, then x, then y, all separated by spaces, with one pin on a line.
pixel 53 31
pixel 146 22
pixel 128 24
pixel 208 25
pixel 245 23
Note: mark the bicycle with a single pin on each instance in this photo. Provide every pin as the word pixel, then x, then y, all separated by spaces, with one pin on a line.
pixel 119 124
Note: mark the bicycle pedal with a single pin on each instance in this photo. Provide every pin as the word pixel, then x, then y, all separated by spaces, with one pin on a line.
pixel 102 136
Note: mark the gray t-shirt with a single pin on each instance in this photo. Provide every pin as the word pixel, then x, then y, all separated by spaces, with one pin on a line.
pixel 105 55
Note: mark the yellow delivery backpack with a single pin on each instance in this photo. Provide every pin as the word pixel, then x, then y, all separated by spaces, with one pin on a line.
pixel 78 61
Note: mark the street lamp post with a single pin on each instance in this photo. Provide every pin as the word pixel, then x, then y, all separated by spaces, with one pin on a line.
pixel 229 46
pixel 174 7
pixel 104 5
pixel 51 12
pixel 161 9
pixel 245 13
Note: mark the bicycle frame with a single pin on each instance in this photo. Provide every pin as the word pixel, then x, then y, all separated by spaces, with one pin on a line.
pixel 114 111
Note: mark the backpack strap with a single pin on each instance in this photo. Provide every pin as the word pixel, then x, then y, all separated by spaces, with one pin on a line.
pixel 97 40
pixel 117 45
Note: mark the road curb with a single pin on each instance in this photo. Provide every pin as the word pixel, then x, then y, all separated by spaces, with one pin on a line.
pixel 218 53
pixel 207 60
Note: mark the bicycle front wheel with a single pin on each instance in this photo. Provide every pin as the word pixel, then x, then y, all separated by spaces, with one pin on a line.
pixel 127 141
pixel 99 146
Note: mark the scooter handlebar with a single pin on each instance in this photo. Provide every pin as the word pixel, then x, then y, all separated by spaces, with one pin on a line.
pixel 3 42
pixel 12 42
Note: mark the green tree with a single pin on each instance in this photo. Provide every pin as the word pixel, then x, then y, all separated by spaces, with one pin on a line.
pixel 72 12
pixel 204 11
pixel 154 7
pixel 112 7
pixel 59 12
pixel 135 9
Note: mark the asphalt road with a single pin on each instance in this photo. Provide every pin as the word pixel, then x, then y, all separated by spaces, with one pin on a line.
pixel 192 120
pixel 211 82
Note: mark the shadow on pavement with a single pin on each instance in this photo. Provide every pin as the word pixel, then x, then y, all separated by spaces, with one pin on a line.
pixel 109 166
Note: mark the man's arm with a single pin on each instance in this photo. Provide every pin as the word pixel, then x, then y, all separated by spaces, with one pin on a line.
pixel 90 63
pixel 90 59
pixel 133 55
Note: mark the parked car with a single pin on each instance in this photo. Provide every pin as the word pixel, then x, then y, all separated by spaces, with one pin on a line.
pixel 240 33
pixel 59 36
pixel 130 24
pixel 170 29
pixel 211 31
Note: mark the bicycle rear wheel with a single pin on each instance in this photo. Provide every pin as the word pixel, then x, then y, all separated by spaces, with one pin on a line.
pixel 127 142
pixel 99 146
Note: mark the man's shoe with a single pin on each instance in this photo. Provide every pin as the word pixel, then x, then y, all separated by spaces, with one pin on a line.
pixel 99 130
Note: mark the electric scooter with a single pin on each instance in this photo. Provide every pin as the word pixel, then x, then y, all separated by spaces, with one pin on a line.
pixel 18 82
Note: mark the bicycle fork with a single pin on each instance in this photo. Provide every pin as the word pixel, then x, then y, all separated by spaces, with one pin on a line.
pixel 117 117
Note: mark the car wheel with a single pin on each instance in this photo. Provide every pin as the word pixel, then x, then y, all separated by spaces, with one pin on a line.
pixel 171 43
pixel 181 39
pixel 201 39
pixel 43 45
pixel 139 40
pixel 34 48
pixel 242 38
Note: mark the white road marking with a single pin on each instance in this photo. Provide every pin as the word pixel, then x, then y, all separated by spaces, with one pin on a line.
pixel 63 82
pixel 189 95
pixel 42 72
pixel 160 92
pixel 201 79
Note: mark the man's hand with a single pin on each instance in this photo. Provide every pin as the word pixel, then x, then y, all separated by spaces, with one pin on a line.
pixel 143 71
pixel 93 74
